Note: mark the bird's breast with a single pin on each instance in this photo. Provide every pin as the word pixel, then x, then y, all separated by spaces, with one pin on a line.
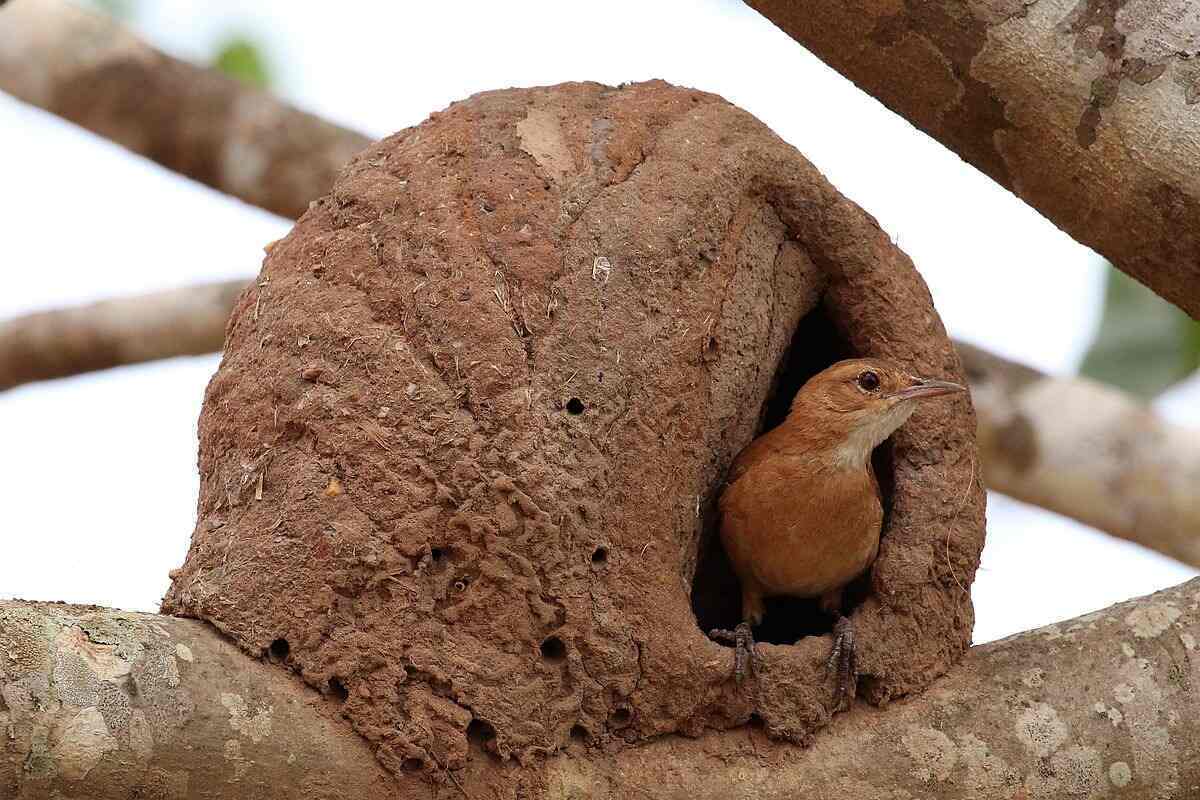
pixel 798 530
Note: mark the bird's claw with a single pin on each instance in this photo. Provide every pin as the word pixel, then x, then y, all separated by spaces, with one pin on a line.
pixel 745 656
pixel 842 657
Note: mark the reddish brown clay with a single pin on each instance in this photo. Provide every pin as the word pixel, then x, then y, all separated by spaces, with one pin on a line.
pixel 464 444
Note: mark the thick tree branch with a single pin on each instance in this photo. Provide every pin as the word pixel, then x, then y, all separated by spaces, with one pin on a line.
pixel 109 704
pixel 1086 110
pixel 88 69
pixel 106 704
pixel 112 333
pixel 1088 451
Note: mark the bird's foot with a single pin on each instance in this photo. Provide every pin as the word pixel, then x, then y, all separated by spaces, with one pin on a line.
pixel 745 656
pixel 842 658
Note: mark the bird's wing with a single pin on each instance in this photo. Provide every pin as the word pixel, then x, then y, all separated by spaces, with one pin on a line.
pixel 761 449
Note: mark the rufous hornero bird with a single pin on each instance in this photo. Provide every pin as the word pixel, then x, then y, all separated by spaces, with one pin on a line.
pixel 801 511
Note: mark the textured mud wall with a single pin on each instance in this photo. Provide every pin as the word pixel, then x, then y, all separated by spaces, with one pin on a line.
pixel 456 463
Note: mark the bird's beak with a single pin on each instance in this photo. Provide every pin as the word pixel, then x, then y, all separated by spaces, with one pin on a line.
pixel 927 387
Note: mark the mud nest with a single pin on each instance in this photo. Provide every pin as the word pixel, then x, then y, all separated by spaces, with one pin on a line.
pixel 459 463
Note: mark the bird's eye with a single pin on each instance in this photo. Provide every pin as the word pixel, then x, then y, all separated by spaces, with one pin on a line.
pixel 868 381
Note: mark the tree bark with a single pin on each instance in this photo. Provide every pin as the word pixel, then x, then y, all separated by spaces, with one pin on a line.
pixel 88 69
pixel 1085 109
pixel 112 333
pixel 1088 451
pixel 108 704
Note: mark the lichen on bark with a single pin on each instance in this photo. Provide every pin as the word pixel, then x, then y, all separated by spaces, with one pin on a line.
pixel 1086 109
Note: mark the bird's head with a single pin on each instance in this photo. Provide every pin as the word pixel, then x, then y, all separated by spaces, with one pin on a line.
pixel 858 403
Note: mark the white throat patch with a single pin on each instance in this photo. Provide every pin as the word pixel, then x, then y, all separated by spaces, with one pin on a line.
pixel 862 440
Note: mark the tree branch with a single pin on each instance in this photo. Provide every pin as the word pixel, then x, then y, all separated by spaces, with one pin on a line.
pixel 1087 111
pixel 88 69
pixel 112 333
pixel 109 704
pixel 1088 451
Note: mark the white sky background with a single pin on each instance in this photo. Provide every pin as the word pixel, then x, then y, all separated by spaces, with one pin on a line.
pixel 98 473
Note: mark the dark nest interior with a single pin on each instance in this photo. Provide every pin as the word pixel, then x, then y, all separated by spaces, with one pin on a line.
pixel 716 595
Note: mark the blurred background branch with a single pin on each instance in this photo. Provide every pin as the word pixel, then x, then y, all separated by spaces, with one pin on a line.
pixel 1088 451
pixel 216 129
pixel 113 333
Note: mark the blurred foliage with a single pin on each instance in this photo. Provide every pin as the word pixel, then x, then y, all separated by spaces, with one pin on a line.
pixel 1144 344
pixel 242 58
pixel 117 9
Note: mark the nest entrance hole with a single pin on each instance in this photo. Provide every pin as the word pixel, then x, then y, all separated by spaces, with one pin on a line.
pixel 716 593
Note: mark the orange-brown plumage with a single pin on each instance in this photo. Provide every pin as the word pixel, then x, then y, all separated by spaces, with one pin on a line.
pixel 797 526
pixel 801 511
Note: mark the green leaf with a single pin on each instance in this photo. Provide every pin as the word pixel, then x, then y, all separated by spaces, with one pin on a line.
pixel 242 58
pixel 117 9
pixel 1144 344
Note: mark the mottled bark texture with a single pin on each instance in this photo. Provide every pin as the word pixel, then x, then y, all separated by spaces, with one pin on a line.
pixel 463 447
pixel 106 704
pixel 1088 451
pixel 113 333
pixel 86 68
pixel 110 705
pixel 1086 109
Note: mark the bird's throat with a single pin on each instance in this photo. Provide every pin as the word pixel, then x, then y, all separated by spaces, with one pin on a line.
pixel 855 449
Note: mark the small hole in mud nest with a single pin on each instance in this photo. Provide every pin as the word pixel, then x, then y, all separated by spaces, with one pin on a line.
pixel 600 555
pixel 553 649
pixel 480 732
pixel 716 594
pixel 438 553
pixel 622 716
pixel 575 406
pixel 579 733
pixel 411 764
pixel 279 650
pixel 339 690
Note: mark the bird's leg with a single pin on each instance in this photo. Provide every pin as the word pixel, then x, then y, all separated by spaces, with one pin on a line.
pixel 842 658
pixel 745 657
pixel 842 655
